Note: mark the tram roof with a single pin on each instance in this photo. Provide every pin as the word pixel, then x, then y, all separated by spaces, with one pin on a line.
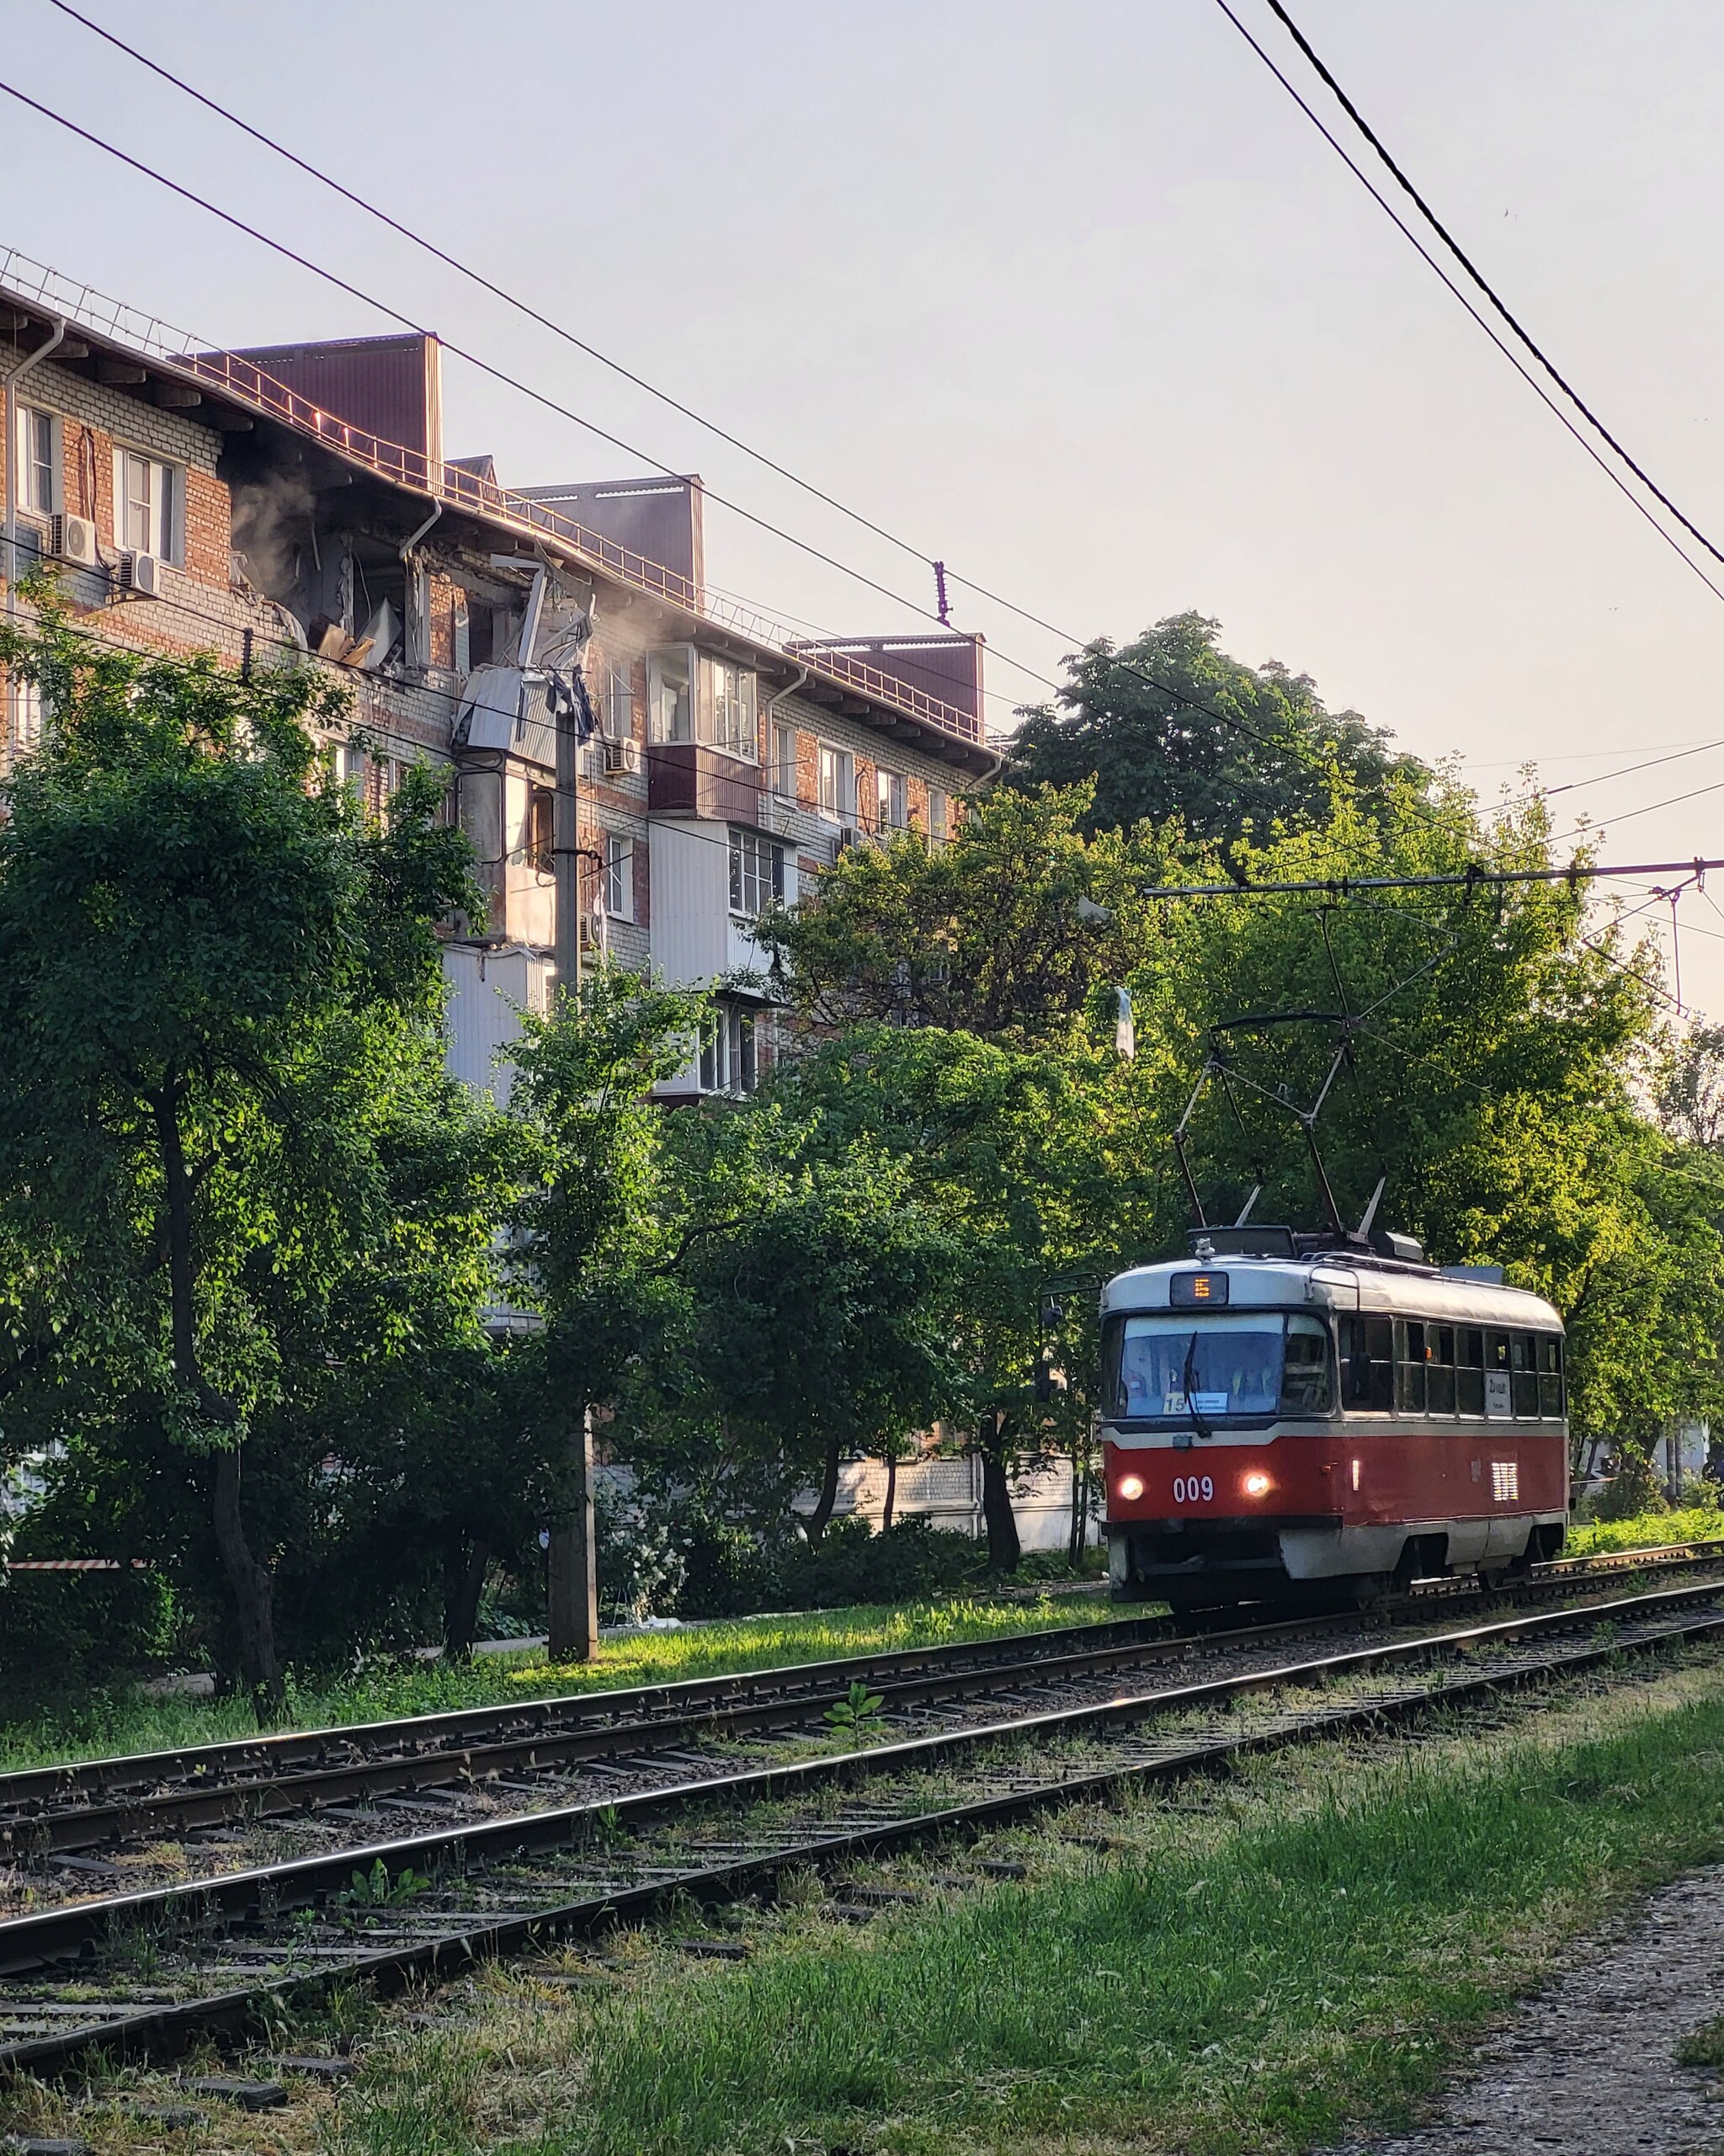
pixel 1339 1280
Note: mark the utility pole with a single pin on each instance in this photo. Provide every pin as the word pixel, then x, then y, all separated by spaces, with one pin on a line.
pixel 574 1545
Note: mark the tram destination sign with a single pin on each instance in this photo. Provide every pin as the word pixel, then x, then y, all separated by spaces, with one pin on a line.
pixel 1197 1290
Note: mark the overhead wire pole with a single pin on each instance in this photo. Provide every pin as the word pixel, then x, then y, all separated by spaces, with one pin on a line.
pixel 571 1585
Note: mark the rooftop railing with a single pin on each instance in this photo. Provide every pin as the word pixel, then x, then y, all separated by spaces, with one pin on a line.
pixel 250 384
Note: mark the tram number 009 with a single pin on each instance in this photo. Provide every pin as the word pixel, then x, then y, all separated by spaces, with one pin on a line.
pixel 1194 1489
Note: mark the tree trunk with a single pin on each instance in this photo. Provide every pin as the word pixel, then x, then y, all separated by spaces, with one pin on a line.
pixel 461 1614
pixel 1074 1548
pixel 572 1576
pixel 248 1582
pixel 251 1587
pixel 818 1521
pixel 891 1493
pixel 1004 1550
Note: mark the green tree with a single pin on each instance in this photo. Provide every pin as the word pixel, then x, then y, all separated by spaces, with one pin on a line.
pixel 823 1312
pixel 208 957
pixel 1169 727
pixel 599 1230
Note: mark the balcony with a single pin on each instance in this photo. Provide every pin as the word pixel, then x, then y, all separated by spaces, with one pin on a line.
pixel 686 778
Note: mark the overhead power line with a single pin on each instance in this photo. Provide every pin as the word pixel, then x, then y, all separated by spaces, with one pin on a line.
pixel 1479 279
pixel 1133 668
pixel 1314 759
pixel 1469 878
pixel 1507 349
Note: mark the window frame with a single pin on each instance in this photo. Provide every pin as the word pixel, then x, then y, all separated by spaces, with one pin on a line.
pixel 26 419
pixel 618 882
pixel 783 751
pixel 165 510
pixel 757 871
pixel 891 799
pixel 673 668
pixel 729 716
pixel 620 704
pixel 938 814
pixel 838 802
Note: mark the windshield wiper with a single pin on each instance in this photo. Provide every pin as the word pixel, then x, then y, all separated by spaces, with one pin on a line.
pixel 1198 1422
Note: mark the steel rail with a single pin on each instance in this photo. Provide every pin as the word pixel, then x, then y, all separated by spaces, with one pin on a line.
pixel 546 1736
pixel 240 1905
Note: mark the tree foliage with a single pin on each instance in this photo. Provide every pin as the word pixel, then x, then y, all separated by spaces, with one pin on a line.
pixel 222 1085
pixel 1168 725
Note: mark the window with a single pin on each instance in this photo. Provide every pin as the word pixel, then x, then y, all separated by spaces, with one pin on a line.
pixel 538 839
pixel 1409 1367
pixel 889 794
pixel 1304 1380
pixel 619 877
pixel 24 727
pixel 784 761
pixel 757 873
pixel 727 708
pixel 147 501
pixel 1367 1362
pixel 727 1059
pixel 672 704
pixel 38 466
pixel 1469 1371
pixel 1499 1398
pixel 939 813
pixel 1523 1358
pixel 838 783
pixel 1170 1366
pixel 619 706
pixel 1549 1356
pixel 1439 1369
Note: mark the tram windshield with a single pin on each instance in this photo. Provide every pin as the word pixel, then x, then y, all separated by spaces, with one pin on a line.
pixel 1243 1363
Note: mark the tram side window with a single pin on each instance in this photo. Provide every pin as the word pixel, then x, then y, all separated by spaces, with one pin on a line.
pixel 1409 1366
pixel 1550 1350
pixel 1305 1378
pixel 1367 1362
pixel 1439 1369
pixel 1523 1362
pixel 1470 1371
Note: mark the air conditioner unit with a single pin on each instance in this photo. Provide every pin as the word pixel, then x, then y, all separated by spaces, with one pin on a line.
pixel 620 757
pixel 141 573
pixel 73 538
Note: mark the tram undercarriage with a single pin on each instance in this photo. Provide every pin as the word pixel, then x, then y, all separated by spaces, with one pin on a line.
pixel 1214 1564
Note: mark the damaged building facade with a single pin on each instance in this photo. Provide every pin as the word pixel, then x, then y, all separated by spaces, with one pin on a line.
pixel 294 505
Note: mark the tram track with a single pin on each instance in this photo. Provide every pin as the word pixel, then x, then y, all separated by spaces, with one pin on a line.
pixel 470 1756
pixel 140 1970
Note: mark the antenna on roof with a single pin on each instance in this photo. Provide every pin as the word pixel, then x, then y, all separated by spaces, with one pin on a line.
pixel 940 593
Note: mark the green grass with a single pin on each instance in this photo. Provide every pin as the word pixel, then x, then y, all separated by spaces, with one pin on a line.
pixel 1698 1524
pixel 1259 1988
pixel 1703 2046
pixel 131 1721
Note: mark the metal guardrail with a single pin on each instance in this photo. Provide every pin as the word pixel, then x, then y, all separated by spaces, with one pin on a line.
pixel 250 384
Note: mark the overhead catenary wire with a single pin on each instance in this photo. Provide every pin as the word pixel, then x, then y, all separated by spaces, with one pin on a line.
pixel 1495 299
pixel 1180 699
pixel 1313 758
pixel 1507 349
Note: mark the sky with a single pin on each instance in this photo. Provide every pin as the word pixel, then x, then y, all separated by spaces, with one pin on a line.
pixel 1070 296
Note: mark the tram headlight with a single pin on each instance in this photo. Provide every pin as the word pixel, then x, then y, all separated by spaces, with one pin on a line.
pixel 1130 1488
pixel 1257 1484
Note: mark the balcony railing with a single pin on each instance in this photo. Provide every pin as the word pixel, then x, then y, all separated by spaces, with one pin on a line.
pixel 247 383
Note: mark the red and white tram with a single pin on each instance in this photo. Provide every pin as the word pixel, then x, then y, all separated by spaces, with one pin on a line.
pixel 1292 1418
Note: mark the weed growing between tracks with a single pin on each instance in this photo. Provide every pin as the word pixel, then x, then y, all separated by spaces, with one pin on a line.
pixel 132 1721
pixel 1255 1965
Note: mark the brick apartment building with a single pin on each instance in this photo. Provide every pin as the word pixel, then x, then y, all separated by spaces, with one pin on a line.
pixel 296 506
